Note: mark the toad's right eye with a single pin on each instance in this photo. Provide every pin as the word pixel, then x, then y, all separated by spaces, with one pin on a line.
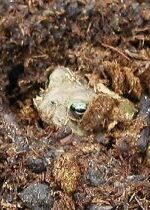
pixel 78 108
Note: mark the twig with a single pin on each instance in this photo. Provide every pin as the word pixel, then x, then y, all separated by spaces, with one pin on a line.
pixel 137 200
pixel 136 56
pixel 116 50
pixel 132 197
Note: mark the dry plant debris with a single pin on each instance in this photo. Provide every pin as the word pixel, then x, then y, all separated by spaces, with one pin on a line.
pixel 67 172
pixel 108 44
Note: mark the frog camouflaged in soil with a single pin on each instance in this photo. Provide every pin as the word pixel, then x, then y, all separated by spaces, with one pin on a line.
pixel 69 101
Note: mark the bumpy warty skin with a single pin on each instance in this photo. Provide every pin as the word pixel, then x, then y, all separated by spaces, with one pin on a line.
pixel 54 103
pixel 66 89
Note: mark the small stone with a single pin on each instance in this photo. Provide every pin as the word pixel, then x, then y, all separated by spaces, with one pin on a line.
pixel 99 207
pixel 135 178
pixel 36 165
pixel 148 155
pixel 21 144
pixel 73 10
pixel 144 108
pixel 37 197
pixel 52 155
pixel 89 8
pixel 143 140
pixel 96 174
pixel 135 7
pixel 102 139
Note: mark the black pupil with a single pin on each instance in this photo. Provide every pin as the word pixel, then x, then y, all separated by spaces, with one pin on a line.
pixel 77 110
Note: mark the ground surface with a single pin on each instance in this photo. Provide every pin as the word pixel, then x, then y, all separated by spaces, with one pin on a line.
pixel 46 168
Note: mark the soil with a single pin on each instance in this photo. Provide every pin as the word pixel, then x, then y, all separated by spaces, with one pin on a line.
pixel 43 167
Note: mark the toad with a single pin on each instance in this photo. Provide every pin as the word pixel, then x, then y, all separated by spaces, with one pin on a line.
pixel 69 101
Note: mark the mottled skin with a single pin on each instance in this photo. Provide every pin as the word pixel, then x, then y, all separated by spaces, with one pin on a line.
pixel 64 89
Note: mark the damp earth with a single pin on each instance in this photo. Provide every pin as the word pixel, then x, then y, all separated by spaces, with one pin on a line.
pixel 74 104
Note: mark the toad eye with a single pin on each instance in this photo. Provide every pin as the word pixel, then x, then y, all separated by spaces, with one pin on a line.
pixel 78 108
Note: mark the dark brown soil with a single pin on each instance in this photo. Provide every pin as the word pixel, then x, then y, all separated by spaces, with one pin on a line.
pixel 45 168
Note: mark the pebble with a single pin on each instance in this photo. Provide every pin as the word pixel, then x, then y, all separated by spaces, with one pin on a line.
pixel 37 197
pixel 135 178
pixel 21 144
pixel 73 10
pixel 96 174
pixel 36 165
pixel 144 107
pixel 100 138
pixel 99 207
